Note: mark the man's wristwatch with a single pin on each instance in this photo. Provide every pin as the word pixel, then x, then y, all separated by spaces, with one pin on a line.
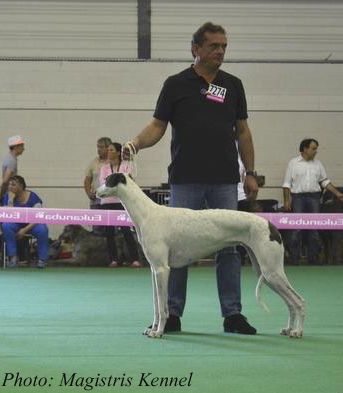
pixel 251 173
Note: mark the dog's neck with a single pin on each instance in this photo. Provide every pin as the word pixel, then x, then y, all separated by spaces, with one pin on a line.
pixel 137 204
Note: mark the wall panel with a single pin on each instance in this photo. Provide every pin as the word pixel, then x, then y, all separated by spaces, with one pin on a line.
pixel 258 30
pixel 60 29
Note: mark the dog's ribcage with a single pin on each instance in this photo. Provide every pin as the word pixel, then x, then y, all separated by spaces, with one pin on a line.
pixel 191 234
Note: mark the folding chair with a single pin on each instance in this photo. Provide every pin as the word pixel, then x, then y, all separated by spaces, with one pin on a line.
pixel 24 249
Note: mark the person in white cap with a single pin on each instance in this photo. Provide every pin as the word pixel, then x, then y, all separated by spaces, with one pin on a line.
pixel 10 161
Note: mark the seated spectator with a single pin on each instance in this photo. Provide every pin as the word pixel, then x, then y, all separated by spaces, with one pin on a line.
pixel 113 165
pixel 18 196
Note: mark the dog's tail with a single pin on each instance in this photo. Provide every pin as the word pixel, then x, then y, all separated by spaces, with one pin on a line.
pixel 261 280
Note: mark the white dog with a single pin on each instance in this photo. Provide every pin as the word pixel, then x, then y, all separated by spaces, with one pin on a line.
pixel 175 237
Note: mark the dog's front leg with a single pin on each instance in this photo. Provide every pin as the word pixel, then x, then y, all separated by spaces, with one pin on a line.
pixel 161 276
pixel 155 322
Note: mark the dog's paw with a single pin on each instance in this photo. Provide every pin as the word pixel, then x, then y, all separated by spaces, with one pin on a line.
pixel 155 334
pixel 295 333
pixel 285 331
pixel 151 328
pixel 292 333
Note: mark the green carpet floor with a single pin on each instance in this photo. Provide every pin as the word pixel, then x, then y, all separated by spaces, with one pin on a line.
pixel 79 328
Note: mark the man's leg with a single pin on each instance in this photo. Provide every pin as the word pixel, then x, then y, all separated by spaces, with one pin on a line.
pixel 298 206
pixel 189 196
pixel 228 265
pixel 313 239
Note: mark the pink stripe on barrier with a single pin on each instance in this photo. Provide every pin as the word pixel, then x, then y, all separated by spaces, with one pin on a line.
pixel 65 216
pixel 121 218
pixel 305 220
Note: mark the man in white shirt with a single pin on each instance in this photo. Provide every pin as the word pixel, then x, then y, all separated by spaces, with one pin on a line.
pixel 302 187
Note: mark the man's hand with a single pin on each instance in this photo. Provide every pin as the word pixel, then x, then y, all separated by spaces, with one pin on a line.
pixel 91 195
pixel 287 206
pixel 340 197
pixel 250 187
pixel 128 151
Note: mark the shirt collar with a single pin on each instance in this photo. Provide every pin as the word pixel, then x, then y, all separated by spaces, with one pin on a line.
pixel 301 158
pixel 191 74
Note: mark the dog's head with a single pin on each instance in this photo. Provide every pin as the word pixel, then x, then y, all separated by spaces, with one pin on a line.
pixel 110 188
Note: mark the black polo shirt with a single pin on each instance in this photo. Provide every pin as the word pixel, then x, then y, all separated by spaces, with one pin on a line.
pixel 203 146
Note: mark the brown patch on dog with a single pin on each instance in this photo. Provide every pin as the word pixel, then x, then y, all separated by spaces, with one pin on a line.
pixel 274 233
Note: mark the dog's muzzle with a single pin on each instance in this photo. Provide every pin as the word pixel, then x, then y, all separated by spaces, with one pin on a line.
pixel 103 191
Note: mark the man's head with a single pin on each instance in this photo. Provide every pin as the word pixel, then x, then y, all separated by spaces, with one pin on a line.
pixel 16 144
pixel 102 145
pixel 308 148
pixel 209 44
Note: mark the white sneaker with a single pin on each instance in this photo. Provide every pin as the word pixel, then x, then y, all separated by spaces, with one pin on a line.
pixel 41 264
pixel 12 262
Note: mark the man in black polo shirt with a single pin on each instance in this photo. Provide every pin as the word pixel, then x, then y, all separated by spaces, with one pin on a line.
pixel 207 110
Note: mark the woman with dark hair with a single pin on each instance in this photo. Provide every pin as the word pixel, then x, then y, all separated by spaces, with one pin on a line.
pixel 18 196
pixel 113 165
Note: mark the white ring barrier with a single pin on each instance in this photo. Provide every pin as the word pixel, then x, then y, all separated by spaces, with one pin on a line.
pixel 50 216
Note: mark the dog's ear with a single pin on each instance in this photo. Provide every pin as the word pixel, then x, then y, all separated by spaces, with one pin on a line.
pixel 114 179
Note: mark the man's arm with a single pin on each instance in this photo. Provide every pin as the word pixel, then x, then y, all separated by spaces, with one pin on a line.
pixel 287 199
pixel 334 191
pixel 246 151
pixel 5 178
pixel 87 185
pixel 286 187
pixel 148 137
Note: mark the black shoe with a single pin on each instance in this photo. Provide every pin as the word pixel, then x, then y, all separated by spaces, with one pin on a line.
pixel 173 324
pixel 238 323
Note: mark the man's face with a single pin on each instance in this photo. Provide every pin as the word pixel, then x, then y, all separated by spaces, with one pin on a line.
pixel 311 151
pixel 211 52
pixel 102 150
pixel 19 149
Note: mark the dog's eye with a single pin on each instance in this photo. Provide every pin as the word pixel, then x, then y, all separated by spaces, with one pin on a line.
pixel 109 181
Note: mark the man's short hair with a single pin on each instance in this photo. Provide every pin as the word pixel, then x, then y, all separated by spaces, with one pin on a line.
pixel 305 143
pixel 104 141
pixel 208 27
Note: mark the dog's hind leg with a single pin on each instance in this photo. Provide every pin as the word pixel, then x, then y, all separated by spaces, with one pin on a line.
pixel 271 267
pixel 296 305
